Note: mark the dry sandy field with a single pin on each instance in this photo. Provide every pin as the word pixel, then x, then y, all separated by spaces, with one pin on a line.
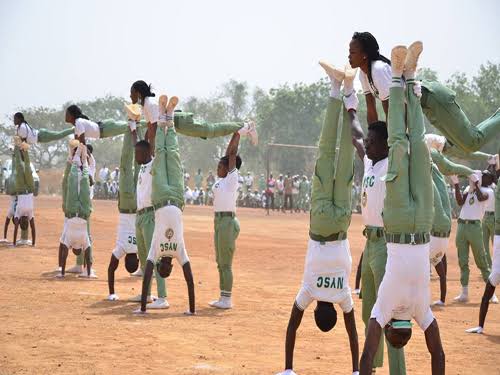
pixel 51 326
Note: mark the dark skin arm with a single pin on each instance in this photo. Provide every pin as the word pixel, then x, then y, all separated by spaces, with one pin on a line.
pixel 81 138
pixel 188 276
pixel 357 134
pixel 113 265
pixel 350 327
pixel 441 271
pixel 433 341
pixel 480 195
pixel 385 106
pixel 151 135
pixel 371 345
pixel 33 231
pixel 371 109
pixel 88 263
pixel 63 255
pixel 489 290
pixel 460 198
pixel 16 227
pixel 232 150
pixel 358 272
pixel 148 273
pixel 291 333
pixel 6 227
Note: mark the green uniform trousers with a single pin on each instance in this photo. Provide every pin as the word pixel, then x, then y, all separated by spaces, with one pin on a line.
pixel 129 170
pixel 442 221
pixel 168 178
pixel 144 228
pixel 45 136
pixel 332 183
pixel 226 230
pixel 372 273
pixel 441 109
pixel 23 176
pixel 471 235
pixel 488 225
pixel 497 210
pixel 447 167
pixel 408 203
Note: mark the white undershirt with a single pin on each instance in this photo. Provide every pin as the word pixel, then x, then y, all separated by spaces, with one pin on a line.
pixel 382 80
pixel 144 186
pixel 226 192
pixel 87 127
pixel 27 132
pixel 489 204
pixel 150 110
pixel 373 192
pixel 473 209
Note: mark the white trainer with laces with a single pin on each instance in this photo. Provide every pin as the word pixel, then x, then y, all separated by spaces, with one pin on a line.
pixel 160 303
pixel 494 299
pixel 113 297
pixel 475 330
pixel 75 269
pixel 462 298
pixel 91 276
pixel 222 303
pixel 438 303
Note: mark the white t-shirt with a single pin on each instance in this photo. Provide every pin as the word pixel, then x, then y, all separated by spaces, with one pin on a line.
pixel 489 204
pixel 326 275
pixel 226 192
pixel 373 192
pixel 382 80
pixel 104 174
pixel 87 127
pixel 144 186
pixel 27 132
pixel 24 206
pixel 280 185
pixel 404 291
pixel 150 110
pixel 473 209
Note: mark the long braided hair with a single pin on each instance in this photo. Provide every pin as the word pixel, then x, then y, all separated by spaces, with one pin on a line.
pixel 371 49
pixel 144 89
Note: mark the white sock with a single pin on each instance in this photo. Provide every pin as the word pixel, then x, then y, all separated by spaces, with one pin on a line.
pixel 396 82
pixel 335 91
pixel 409 74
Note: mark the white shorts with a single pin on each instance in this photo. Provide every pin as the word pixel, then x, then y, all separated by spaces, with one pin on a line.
pixel 404 292
pixel 12 207
pixel 24 206
pixel 126 242
pixel 168 236
pixel 438 246
pixel 326 275
pixel 75 234
pixel 495 266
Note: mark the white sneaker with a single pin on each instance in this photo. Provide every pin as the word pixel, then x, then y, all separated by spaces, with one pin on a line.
pixel 475 330
pixel 252 133
pixel 462 298
pixel 287 372
pixel 333 72
pixel 222 304
pixel 75 269
pixel 356 291
pixel 4 240
pixel 59 276
pixel 91 276
pixel 435 141
pixel 138 297
pixel 398 57
pixel 113 297
pixel 137 273
pixel 160 303
pixel 23 243
pixel 438 303
pixel 494 299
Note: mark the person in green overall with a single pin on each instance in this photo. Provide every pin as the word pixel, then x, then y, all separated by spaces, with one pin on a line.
pixel 77 208
pixel 408 216
pixel 328 260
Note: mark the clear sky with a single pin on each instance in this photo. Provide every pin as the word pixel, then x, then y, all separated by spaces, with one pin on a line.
pixel 54 51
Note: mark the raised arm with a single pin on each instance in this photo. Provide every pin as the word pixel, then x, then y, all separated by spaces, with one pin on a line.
pixel 291 333
pixel 460 198
pixel 350 326
pixel 232 150
pixel 481 196
pixel 371 109
pixel 357 134
pixel 33 231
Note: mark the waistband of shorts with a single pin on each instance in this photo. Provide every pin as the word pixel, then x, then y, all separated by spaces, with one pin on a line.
pixel 408 238
pixel 373 232
pixel 129 211
pixel 440 234
pixel 462 221
pixel 332 237
pixel 72 215
pixel 225 214
pixel 168 202
pixel 145 210
pixel 489 213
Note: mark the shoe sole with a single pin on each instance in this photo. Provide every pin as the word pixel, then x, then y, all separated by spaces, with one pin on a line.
pixel 414 51
pixel 331 71
pixel 398 58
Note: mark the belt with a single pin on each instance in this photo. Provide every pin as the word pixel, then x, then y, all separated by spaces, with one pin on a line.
pixel 144 210
pixel 489 213
pixel 225 213
pixel 462 221
pixel 168 202
pixel 440 234
pixel 129 211
pixel 408 238
pixel 373 232
pixel 332 237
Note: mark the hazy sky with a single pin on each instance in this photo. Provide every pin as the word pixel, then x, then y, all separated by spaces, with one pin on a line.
pixel 55 51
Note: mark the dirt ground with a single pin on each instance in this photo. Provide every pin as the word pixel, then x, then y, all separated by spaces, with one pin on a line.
pixel 50 326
